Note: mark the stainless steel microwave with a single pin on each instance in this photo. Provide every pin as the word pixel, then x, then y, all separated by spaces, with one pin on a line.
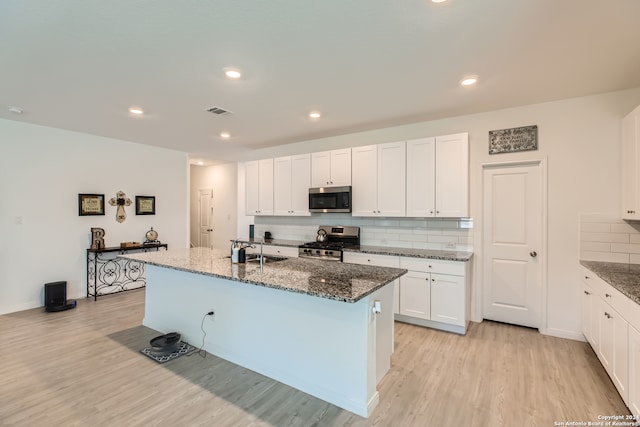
pixel 330 199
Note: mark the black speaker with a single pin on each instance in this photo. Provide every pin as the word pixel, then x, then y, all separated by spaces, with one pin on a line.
pixel 55 297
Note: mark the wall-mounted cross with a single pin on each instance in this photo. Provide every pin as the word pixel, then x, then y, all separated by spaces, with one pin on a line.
pixel 121 200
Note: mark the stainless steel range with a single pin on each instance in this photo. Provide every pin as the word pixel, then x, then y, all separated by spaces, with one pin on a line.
pixel 330 242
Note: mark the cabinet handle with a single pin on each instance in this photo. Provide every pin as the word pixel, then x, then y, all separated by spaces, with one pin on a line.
pixel 608 315
pixel 586 277
pixel 587 293
pixel 431 212
pixel 607 295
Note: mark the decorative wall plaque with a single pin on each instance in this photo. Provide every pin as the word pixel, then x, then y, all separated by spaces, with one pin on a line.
pixel 515 139
pixel 145 205
pixel 121 200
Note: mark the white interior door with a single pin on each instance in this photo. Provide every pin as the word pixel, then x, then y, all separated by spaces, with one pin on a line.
pixel 205 214
pixel 512 236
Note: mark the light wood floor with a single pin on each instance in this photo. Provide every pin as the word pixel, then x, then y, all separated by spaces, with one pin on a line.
pixel 83 368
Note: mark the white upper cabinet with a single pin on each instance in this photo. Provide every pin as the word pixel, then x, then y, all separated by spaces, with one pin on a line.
pixel 438 176
pixel 259 187
pixel 378 179
pixel 631 165
pixel 331 168
pixel 291 179
pixel 421 177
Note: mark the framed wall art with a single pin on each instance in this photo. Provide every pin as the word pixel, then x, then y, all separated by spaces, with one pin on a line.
pixel 90 204
pixel 145 205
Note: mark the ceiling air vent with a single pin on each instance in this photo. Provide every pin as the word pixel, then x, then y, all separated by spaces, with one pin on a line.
pixel 218 111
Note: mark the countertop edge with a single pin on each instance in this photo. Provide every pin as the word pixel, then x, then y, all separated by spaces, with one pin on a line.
pixel 400 272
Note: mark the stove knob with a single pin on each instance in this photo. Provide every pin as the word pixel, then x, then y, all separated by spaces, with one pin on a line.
pixel 329 252
pixel 318 252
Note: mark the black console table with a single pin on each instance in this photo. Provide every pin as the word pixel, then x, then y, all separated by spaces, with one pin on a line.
pixel 108 274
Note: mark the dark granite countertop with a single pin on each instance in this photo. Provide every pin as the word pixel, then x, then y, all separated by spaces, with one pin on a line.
pixel 623 277
pixel 326 279
pixel 415 253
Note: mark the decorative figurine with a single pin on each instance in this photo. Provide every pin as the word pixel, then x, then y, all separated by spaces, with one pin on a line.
pixel 97 238
pixel 121 200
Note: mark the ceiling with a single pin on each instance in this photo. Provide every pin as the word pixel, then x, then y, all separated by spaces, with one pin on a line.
pixel 364 64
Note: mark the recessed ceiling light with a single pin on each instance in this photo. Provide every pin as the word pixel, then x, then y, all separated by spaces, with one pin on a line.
pixel 232 73
pixel 314 115
pixel 438 1
pixel 136 110
pixel 14 109
pixel 469 80
pixel 200 163
pixel 225 135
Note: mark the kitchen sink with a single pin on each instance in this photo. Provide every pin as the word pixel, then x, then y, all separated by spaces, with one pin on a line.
pixel 266 259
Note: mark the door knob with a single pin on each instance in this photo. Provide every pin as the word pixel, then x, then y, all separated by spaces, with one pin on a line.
pixel 533 254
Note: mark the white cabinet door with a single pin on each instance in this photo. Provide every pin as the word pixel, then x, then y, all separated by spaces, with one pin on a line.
pixel 438 176
pixel 300 183
pixel 291 181
pixel 341 167
pixel 252 177
pixel 415 295
pixel 364 168
pixel 392 179
pixel 321 169
pixel 630 173
pixel 634 371
pixel 378 179
pixel 613 349
pixel 282 186
pixel 620 372
pixel 265 187
pixel 589 307
pixel 331 168
pixel 448 299
pixel 421 177
pixel 452 176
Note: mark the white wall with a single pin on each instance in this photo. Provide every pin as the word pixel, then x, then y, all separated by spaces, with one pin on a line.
pixel 42 170
pixel 223 180
pixel 580 138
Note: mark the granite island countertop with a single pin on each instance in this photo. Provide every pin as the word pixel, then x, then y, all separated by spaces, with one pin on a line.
pixel 623 277
pixel 326 279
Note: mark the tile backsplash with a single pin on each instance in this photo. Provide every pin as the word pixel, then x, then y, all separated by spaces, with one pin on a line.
pixel 606 237
pixel 419 233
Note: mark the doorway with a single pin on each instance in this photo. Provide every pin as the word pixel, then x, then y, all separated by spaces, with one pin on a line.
pixel 205 217
pixel 514 212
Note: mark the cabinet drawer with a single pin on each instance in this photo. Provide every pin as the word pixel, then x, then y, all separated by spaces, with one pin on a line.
pixel 371 259
pixel 616 299
pixel 456 268
pixel 285 251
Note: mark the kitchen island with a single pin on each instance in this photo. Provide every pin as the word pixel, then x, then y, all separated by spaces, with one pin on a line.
pixel 310 324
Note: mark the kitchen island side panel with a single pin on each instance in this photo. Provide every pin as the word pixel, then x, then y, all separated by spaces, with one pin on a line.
pixel 323 347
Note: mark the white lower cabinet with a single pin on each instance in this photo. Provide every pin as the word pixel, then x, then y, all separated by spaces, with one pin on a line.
pixel 415 295
pixel 634 371
pixel 448 299
pixel 608 331
pixel 434 293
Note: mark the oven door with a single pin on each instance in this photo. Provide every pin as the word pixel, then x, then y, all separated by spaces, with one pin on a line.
pixel 330 199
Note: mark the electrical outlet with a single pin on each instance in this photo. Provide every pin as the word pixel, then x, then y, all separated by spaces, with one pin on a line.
pixel 451 245
pixel 211 315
